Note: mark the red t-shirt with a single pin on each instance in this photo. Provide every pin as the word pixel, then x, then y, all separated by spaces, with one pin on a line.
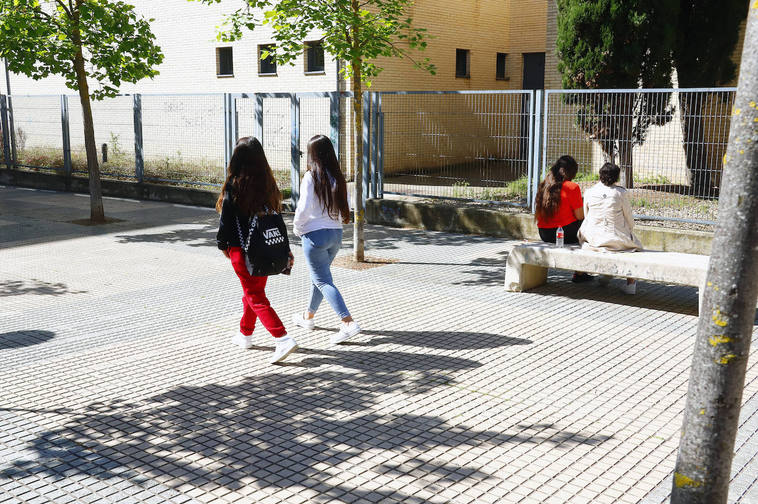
pixel 571 199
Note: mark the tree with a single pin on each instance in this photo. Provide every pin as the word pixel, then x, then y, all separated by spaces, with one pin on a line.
pixel 351 30
pixel 616 44
pixel 707 33
pixel 103 40
pixel 725 325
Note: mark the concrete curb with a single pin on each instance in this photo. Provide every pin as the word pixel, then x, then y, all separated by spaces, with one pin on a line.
pixel 398 213
pixel 116 188
pixel 394 213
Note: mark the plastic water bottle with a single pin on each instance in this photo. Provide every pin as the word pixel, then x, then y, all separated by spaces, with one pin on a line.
pixel 559 237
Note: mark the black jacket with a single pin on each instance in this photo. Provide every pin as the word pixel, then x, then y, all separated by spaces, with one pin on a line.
pixel 227 235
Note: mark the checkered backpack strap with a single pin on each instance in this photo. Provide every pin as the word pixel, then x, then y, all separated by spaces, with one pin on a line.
pixel 245 244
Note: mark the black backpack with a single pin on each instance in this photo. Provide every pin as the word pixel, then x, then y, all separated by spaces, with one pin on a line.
pixel 267 247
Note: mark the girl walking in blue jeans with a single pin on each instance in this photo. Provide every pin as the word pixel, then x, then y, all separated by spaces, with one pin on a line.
pixel 320 213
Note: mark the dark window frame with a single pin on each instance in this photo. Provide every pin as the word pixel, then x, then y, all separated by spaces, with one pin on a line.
pixel 310 48
pixel 221 61
pixel 266 66
pixel 463 63
pixel 501 65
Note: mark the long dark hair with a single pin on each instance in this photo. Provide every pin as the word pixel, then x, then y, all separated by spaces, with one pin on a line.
pixel 250 182
pixel 549 191
pixel 328 181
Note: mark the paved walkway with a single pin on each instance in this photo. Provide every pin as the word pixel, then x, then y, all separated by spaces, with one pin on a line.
pixel 119 383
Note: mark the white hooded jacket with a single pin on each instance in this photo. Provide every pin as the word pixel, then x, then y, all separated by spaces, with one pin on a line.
pixel 608 220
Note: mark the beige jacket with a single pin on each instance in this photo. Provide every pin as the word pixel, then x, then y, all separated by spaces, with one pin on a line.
pixel 608 221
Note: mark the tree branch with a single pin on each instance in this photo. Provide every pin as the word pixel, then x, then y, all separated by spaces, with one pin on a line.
pixel 44 16
pixel 63 6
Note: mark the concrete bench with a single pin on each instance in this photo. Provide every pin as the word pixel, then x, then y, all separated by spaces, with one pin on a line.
pixel 527 265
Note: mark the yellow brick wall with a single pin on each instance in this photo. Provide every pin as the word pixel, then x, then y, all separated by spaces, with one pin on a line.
pixel 433 133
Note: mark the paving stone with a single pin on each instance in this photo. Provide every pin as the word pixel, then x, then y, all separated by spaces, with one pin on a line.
pixel 456 391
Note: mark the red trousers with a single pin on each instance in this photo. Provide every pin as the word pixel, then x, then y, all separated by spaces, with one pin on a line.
pixel 254 301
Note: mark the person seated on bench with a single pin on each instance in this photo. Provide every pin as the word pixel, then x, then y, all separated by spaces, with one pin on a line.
pixel 559 204
pixel 608 220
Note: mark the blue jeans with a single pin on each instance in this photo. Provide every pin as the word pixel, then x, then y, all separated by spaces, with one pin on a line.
pixel 320 248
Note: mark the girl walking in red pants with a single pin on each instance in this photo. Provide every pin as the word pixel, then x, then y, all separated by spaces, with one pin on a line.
pixel 250 190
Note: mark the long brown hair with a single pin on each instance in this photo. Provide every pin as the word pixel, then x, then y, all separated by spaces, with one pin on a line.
pixel 328 181
pixel 549 191
pixel 250 183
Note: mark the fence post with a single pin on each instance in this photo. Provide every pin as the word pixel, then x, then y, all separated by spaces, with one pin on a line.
pixel 539 168
pixel 139 153
pixel 366 144
pixel 66 131
pixel 259 117
pixel 12 129
pixel 334 120
pixel 380 150
pixel 229 113
pixel 4 128
pixel 374 142
pixel 536 132
pixel 295 146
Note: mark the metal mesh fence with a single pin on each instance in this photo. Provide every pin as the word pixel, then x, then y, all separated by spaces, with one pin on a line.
pixel 315 118
pixel 346 137
pixel 467 145
pixel 183 138
pixel 38 133
pixel 113 121
pixel 670 145
pixel 277 137
pixel 460 145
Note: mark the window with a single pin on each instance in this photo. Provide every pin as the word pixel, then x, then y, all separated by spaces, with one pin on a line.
pixel 224 62
pixel 462 63
pixel 314 57
pixel 500 66
pixel 266 66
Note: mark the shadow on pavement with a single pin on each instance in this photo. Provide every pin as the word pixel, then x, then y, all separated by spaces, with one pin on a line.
pixel 34 286
pixel 204 237
pixel 387 238
pixel 312 429
pixel 672 298
pixel 33 217
pixel 20 339
pixel 443 340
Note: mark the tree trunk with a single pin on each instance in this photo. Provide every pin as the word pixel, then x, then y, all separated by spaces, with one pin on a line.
pixel 97 213
pixel 725 327
pixel 693 134
pixel 358 224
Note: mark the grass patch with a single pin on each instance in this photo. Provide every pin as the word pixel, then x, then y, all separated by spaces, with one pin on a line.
pixel 652 180
pixel 175 170
pixel 514 189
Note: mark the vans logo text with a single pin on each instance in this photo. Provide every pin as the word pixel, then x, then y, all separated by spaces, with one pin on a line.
pixel 271 233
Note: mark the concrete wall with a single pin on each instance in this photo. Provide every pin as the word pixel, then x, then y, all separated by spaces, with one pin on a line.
pixel 512 225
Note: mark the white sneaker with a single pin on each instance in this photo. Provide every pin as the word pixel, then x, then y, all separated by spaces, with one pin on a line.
pixel 243 341
pixel 347 331
pixel 299 320
pixel 603 280
pixel 630 288
pixel 284 346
